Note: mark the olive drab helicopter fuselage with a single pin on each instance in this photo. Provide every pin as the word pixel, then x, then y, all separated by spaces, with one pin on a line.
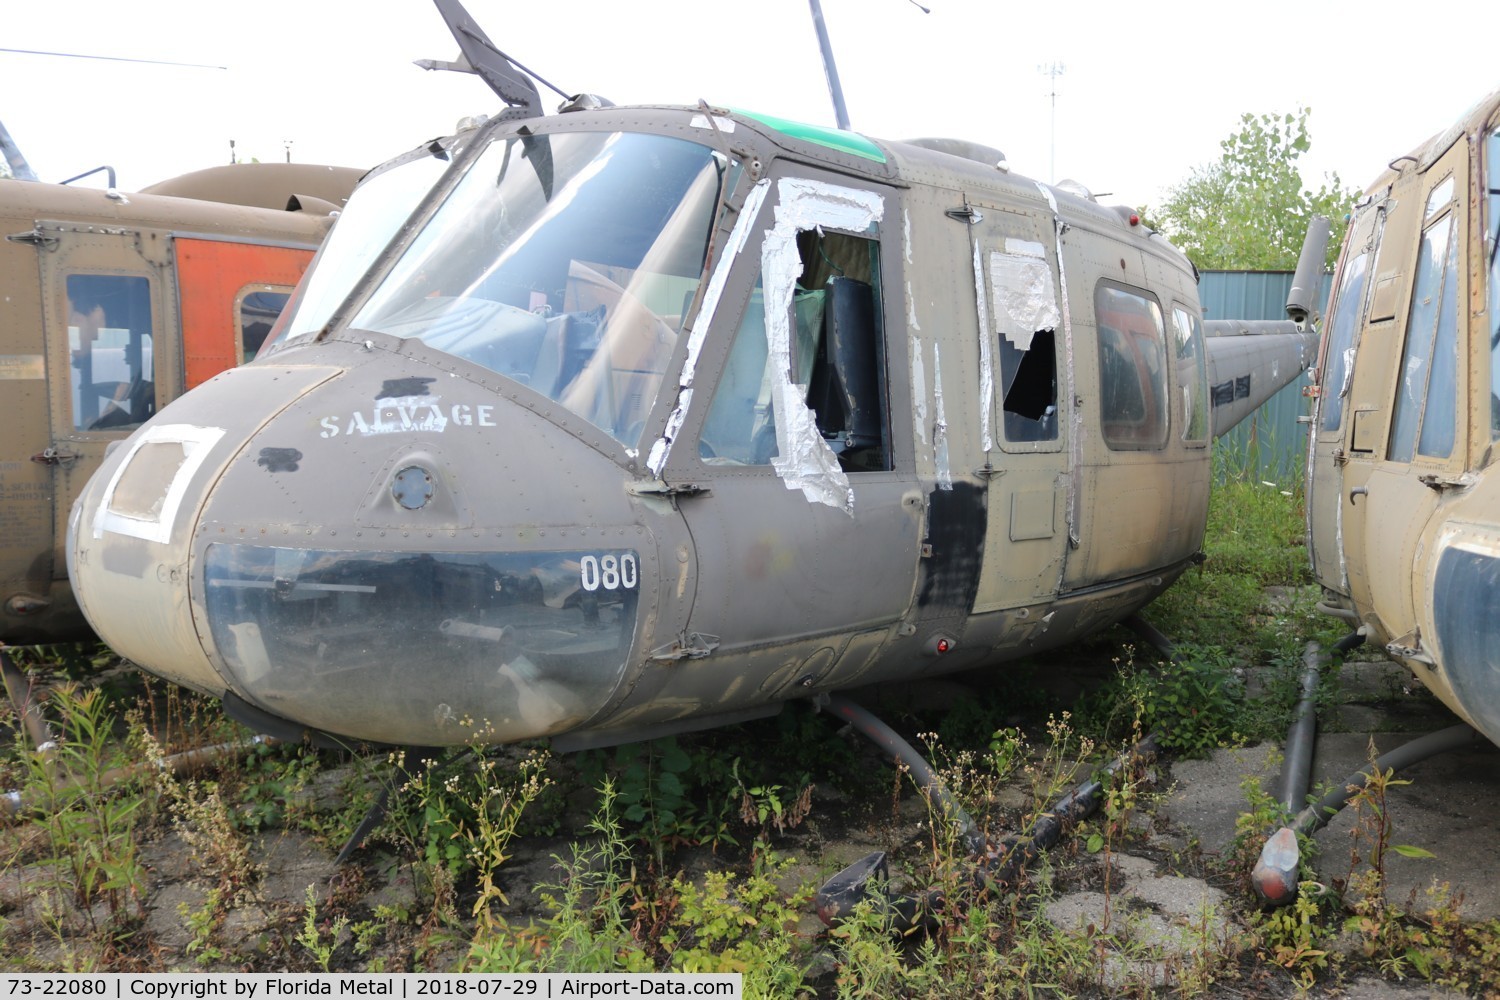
pixel 112 304
pixel 627 421
pixel 1403 498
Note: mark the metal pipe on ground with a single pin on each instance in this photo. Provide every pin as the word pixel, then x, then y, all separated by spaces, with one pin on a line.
pixel 1296 771
pixel 889 740
pixel 28 707
pixel 907 912
pixel 1275 875
pixel 1150 634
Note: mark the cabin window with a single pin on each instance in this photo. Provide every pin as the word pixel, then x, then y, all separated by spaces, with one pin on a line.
pixel 257 314
pixel 1192 375
pixel 1342 325
pixel 1491 243
pixel 1132 369
pixel 109 343
pixel 1424 416
pixel 837 362
pixel 1023 300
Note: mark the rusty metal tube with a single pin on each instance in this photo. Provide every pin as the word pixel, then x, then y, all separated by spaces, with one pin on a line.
pixel 1149 633
pixel 906 912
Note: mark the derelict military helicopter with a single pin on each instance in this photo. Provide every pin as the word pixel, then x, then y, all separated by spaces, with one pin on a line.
pixel 111 305
pixel 1402 493
pixel 621 422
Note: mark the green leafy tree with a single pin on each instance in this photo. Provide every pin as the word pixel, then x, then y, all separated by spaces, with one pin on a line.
pixel 1249 210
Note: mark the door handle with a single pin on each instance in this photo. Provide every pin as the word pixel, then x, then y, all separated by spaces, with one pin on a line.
pixel 1358 491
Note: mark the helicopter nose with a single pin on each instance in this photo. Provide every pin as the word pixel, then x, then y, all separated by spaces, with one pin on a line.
pixel 387 569
pixel 130 532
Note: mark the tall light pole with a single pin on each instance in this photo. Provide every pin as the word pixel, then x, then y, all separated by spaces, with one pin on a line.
pixel 1053 70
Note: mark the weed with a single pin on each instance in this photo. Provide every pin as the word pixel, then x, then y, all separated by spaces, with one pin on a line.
pixel 668 796
pixel 1295 937
pixel 206 924
pixel 89 808
pixel 589 929
pixel 321 939
pixel 205 824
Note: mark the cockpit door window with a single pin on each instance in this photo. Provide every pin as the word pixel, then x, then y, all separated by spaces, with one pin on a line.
pixel 111 374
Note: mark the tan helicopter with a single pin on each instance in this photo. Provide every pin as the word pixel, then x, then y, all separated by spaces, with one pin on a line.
pixel 1403 500
pixel 615 423
pixel 112 304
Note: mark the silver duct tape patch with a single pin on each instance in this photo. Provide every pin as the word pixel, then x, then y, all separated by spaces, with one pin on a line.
pixel 1025 299
pixel 986 364
pixel 940 424
pixel 804 461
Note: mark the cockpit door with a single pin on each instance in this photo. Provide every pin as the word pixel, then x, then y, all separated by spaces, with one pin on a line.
pixel 110 365
pixel 1333 416
pixel 807 534
pixel 1424 444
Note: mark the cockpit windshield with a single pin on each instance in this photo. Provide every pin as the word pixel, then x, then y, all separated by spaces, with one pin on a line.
pixel 565 262
pixel 376 209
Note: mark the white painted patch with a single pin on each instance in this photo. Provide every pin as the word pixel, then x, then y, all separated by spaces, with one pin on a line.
pixel 1070 382
pixel 196 442
pixel 919 390
pixel 940 423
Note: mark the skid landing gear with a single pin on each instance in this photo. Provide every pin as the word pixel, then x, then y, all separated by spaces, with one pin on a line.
pixel 1275 874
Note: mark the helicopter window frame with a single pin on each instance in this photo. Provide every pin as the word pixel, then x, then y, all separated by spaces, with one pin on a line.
pixel 836 303
pixel 1191 371
pixel 1142 421
pixel 243 330
pixel 1492 250
pixel 115 308
pixel 1343 324
pixel 1429 353
pixel 1023 304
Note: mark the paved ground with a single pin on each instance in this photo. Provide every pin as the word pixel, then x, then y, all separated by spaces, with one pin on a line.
pixel 1451 808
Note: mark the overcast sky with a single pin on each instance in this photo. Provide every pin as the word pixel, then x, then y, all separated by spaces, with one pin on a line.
pixel 1147 91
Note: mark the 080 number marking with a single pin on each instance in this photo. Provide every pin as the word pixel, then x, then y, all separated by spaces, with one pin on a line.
pixel 610 572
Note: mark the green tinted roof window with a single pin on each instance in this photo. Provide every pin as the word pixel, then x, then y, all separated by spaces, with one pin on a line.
pixel 844 142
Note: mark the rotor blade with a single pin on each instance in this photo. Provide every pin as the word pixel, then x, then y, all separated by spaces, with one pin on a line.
pixel 19 168
pixel 489 63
